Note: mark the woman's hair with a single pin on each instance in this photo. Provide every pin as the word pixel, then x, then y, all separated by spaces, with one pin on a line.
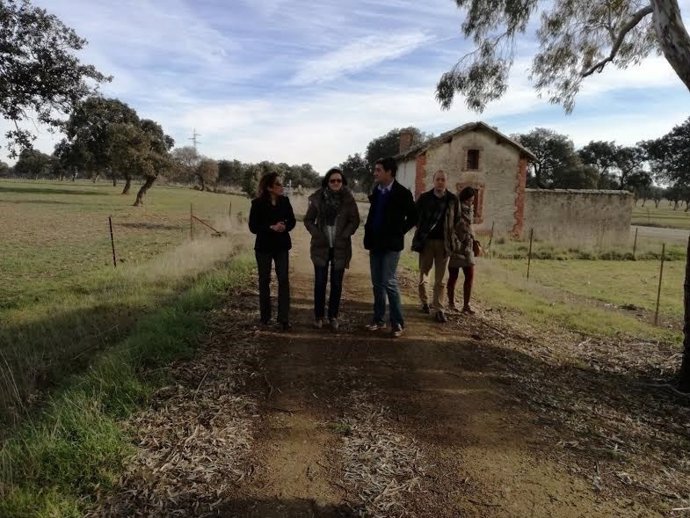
pixel 266 181
pixel 467 193
pixel 331 172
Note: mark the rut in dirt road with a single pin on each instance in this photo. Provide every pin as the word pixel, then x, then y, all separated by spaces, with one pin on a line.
pixel 353 423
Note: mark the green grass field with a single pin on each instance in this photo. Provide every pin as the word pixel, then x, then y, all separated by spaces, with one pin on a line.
pixel 61 299
pixel 600 298
pixel 664 216
pixel 82 343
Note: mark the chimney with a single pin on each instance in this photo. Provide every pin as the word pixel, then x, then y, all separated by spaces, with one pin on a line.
pixel 406 137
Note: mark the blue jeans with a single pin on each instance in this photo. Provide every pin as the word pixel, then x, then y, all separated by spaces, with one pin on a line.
pixel 320 282
pixel 383 267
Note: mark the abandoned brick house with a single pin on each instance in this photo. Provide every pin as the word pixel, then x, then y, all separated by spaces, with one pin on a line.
pixel 480 156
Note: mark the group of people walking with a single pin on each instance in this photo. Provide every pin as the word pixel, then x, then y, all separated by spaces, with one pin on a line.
pixel 443 239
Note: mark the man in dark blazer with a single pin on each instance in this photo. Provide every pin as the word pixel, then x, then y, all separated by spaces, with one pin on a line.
pixel 391 215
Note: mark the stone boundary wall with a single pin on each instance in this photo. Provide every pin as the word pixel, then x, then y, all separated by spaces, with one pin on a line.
pixel 578 217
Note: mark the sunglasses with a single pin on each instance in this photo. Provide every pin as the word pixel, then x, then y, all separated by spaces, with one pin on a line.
pixel 335 180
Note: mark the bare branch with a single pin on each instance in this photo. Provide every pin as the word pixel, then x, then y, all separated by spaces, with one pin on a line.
pixel 634 20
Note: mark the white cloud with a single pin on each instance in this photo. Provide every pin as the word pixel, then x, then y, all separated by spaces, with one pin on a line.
pixel 358 55
pixel 299 81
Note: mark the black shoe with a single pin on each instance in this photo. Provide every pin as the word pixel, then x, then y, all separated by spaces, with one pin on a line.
pixel 335 325
pixel 426 309
pixel 441 317
pixel 285 326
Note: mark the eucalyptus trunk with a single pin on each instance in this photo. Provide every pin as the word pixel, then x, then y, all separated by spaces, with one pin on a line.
pixel 684 376
pixel 673 37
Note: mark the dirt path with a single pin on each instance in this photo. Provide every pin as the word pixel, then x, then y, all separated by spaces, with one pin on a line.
pixel 435 423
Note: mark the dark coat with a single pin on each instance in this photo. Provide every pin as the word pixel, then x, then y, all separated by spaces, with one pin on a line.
pixel 346 223
pixel 399 217
pixel 426 204
pixel 262 215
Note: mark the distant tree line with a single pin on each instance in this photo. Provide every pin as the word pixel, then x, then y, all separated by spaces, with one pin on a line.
pixel 189 166
pixel 124 153
pixel 652 169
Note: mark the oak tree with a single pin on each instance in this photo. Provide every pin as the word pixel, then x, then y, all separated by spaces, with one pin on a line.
pixel 40 74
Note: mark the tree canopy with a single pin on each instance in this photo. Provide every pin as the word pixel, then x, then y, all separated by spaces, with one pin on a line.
pixel 388 145
pixel 557 165
pixel 575 39
pixel 40 75
pixel 358 171
pixel 207 172
pixel 620 167
pixel 33 164
pixel 106 136
pixel 669 155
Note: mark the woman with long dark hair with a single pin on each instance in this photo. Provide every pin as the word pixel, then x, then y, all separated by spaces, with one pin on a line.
pixel 271 218
pixel 463 254
pixel 331 219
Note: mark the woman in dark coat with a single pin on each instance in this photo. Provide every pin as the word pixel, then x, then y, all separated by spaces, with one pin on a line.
pixel 463 253
pixel 271 218
pixel 331 219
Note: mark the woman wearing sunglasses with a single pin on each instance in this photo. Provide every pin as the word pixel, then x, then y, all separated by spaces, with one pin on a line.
pixel 271 218
pixel 331 219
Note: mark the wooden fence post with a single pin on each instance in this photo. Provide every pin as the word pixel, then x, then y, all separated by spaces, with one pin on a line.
pixel 661 277
pixel 529 254
pixel 635 242
pixel 191 221
pixel 491 238
pixel 112 240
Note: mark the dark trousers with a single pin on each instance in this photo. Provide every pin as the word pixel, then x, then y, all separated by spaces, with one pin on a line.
pixel 453 274
pixel 282 264
pixel 320 282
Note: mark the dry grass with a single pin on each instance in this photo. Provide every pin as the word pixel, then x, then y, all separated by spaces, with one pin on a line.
pixel 193 442
pixel 380 465
pixel 604 402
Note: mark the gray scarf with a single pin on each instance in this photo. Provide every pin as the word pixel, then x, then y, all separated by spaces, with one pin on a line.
pixel 332 200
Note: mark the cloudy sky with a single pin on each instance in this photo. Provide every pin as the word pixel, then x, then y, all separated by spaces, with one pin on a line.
pixel 302 81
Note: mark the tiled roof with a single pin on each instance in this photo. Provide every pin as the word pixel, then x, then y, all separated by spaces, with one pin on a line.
pixel 443 138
